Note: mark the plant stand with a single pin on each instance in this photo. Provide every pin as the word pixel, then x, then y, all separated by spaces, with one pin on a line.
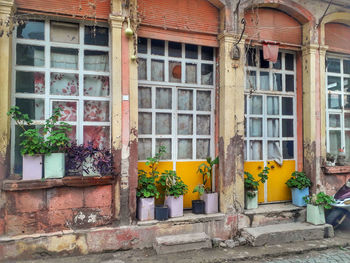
pixel 54 165
pixel 297 196
pixel 145 209
pixel 32 167
pixel 315 214
pixel 198 206
pixel 162 212
pixel 211 203
pixel 175 205
pixel 251 202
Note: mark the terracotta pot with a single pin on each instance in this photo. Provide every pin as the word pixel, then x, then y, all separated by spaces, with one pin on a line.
pixel 32 167
pixel 175 205
pixel 211 203
pixel 145 209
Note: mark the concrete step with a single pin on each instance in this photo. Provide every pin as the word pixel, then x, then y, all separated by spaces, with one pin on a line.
pixel 286 233
pixel 180 243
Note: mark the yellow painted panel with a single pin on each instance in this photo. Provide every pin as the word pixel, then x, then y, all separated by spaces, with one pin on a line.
pixel 254 168
pixel 277 190
pixel 188 173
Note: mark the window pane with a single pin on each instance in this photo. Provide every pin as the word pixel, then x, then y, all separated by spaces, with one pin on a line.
pixel 273 105
pixel 287 128
pixel 256 105
pixel 346 66
pixel 287 106
pixel 278 64
pixel 346 84
pixel 263 63
pixel 264 81
pixel 184 99
pixel 163 98
pixel 145 123
pixel 255 127
pixel 142 45
pixel 334 83
pixel 95 35
pixel 346 102
pixel 347 145
pixel 96 60
pixel 97 86
pixel 144 148
pixel 184 149
pixel 30 82
pixel 64 32
pixel 157 47
pixel 167 144
pixel 203 101
pixel 64 84
pixel 68 110
pixel 346 120
pixel 288 149
pixel 174 71
pixel 256 150
pixel 334 101
pixel 203 148
pixel 334 141
pixel 290 83
pixel 185 124
pixel 65 58
pixel 207 53
pixel 191 73
pixel 334 120
pixel 191 51
pixel 251 80
pixel 28 55
pixel 31 30
pixel 142 69
pixel 277 81
pixel 145 98
pixel 289 62
pixel 273 150
pixel 99 135
pixel 35 108
pixel 163 123
pixel 251 56
pixel 96 110
pixel 333 65
pixel 207 74
pixel 175 49
pixel 273 127
pixel 203 124
pixel 157 70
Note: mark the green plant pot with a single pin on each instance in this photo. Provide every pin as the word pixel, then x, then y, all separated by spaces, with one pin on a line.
pixel 251 202
pixel 54 165
pixel 315 214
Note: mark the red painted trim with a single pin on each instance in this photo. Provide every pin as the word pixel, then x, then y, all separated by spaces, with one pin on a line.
pixel 299 82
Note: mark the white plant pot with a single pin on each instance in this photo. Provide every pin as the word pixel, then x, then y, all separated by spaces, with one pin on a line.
pixel 251 202
pixel 211 203
pixel 54 165
pixel 145 209
pixel 315 214
pixel 175 205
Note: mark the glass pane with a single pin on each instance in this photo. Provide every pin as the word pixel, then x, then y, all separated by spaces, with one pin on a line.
pixel 273 105
pixel 184 124
pixel 30 82
pixel 203 124
pixel 145 123
pixel 245 104
pixel 144 148
pixel 207 74
pixel 64 84
pixel 167 144
pixel 334 141
pixel 99 135
pixel 273 127
pixel 347 144
pixel 95 35
pixel 255 127
pixel 174 71
pixel 273 150
pixel 251 80
pixel 251 56
pixel 31 30
pixel 346 66
pixel 288 149
pixel 346 102
pixel 157 47
pixel 97 86
pixel 96 60
pixel 287 106
pixel 64 32
pixel 334 83
pixel 142 45
pixel 191 73
pixel 191 51
pixel 333 65
pixel 263 63
pixel 35 108
pixel 65 58
pixel 96 110
pixel 73 134
pixel 264 81
pixel 256 150
pixel 245 150
pixel 290 83
pixel 287 128
pixel 145 98
pixel 184 149
pixel 184 99
pixel 346 84
pixel 68 110
pixel 157 70
pixel 334 120
pixel 28 55
pixel 277 81
pixel 142 69
pixel 278 64
pixel 207 53
pixel 174 49
pixel 346 120
pixel 256 105
pixel 334 101
pixel 203 101
pixel 289 62
pixel 163 123
pixel 163 98
pixel 203 148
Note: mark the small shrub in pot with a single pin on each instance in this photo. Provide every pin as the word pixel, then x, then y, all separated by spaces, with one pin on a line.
pixel 316 204
pixel 251 187
pixel 299 184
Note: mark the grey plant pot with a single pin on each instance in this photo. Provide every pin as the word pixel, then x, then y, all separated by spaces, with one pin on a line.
pixel 211 203
pixel 175 205
pixel 145 209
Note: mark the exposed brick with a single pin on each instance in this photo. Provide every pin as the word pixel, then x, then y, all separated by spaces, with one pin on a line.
pixel 89 217
pixel 2 226
pixel 26 201
pixel 105 211
pixel 98 196
pixel 64 198
pixel 24 223
pixel 60 218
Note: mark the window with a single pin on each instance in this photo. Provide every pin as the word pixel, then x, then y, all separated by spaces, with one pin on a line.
pixel 176 99
pixel 62 65
pixel 338 104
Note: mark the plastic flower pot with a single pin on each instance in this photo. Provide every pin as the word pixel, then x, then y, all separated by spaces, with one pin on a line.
pixel 251 202
pixel 315 214
pixel 175 205
pixel 211 203
pixel 32 167
pixel 145 209
pixel 54 165
pixel 198 206
pixel 297 196
pixel 161 212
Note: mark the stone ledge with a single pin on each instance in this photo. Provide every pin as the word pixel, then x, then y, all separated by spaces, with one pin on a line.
pixel 330 170
pixel 273 208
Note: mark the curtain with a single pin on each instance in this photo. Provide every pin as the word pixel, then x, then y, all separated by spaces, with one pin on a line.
pixel 65 61
pixel 96 61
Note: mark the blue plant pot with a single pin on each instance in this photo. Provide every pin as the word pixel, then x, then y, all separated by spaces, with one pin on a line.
pixel 297 196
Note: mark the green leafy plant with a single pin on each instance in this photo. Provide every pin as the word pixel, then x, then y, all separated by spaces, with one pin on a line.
pixel 206 170
pixel 298 180
pixel 172 184
pixel 251 184
pixel 321 199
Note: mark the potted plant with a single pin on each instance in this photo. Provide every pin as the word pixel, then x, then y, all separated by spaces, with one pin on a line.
pixel 205 190
pixel 174 189
pixel 316 204
pixel 198 206
pixel 32 145
pixel 330 159
pixel 251 187
pixel 147 189
pixel 299 184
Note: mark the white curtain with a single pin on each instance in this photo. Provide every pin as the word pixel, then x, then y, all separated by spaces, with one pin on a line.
pixel 256 150
pixel 39 57
pixel 65 61
pixel 96 62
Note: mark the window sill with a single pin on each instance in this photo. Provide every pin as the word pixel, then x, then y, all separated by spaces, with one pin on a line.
pixel 70 181
pixel 333 170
